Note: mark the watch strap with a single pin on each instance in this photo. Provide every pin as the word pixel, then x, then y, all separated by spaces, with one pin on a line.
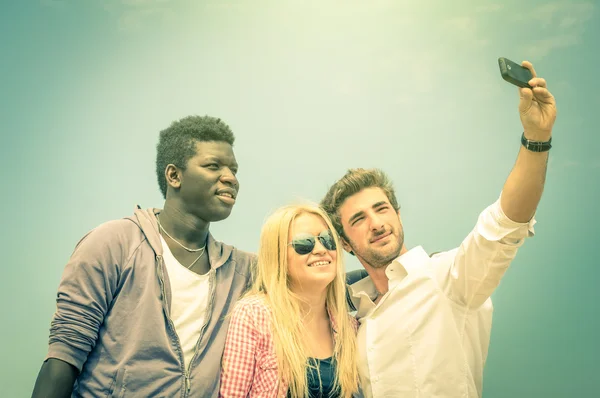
pixel 536 146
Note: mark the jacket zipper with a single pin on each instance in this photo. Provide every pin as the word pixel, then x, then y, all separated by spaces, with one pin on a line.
pixel 208 312
pixel 170 322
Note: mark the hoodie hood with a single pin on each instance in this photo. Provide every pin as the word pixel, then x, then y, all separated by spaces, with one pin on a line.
pixel 145 219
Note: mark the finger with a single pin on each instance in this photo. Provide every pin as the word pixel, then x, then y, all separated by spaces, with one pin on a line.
pixel 526 98
pixel 528 65
pixel 542 94
pixel 538 82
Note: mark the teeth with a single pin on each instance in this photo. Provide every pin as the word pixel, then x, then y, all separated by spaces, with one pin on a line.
pixel 226 194
pixel 319 264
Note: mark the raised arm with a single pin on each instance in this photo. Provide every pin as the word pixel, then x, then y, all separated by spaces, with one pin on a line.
pixel 523 188
pixel 84 296
pixel 484 256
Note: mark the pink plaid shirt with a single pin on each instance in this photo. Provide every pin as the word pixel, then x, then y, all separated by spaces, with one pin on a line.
pixel 249 366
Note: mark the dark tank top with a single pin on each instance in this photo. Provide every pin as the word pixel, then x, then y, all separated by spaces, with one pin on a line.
pixel 326 368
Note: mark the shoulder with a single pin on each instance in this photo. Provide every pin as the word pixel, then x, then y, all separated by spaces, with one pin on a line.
pixel 228 254
pixel 440 257
pixel 115 229
pixel 243 258
pixel 243 255
pixel 252 311
pixel 240 262
pixel 254 303
pixel 113 235
pixel 244 264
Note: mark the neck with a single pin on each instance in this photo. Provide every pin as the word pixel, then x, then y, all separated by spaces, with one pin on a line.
pixel 186 228
pixel 313 305
pixel 377 274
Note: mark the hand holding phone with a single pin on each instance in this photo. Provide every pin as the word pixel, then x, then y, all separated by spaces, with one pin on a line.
pixel 537 106
pixel 514 73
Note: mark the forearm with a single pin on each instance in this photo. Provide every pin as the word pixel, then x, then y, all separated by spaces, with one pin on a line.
pixel 55 380
pixel 524 186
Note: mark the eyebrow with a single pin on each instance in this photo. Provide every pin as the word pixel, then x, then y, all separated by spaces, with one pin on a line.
pixel 219 160
pixel 361 213
pixel 355 216
pixel 379 204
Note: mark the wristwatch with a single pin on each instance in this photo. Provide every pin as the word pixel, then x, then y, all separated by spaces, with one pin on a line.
pixel 536 146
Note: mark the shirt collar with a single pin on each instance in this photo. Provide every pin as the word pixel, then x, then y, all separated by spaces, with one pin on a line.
pixel 365 286
pixel 406 263
pixel 399 268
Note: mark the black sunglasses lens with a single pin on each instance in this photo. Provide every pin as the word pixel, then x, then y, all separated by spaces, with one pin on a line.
pixel 304 245
pixel 327 240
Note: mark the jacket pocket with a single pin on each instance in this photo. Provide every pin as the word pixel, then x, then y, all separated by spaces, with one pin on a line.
pixel 117 387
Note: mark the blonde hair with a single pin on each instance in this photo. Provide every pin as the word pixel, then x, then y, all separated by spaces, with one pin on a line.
pixel 272 283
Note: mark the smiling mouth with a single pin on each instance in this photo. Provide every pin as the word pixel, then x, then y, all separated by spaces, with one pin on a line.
pixel 377 239
pixel 226 197
pixel 319 264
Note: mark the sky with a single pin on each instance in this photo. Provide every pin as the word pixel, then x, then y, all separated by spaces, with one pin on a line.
pixel 310 88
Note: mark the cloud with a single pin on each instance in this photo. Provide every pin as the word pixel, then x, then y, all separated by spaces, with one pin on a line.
pixel 541 48
pixel 562 23
pixel 553 14
pixel 568 22
pixel 132 15
pixel 466 28
pixel 489 8
pixel 464 25
pixel 132 20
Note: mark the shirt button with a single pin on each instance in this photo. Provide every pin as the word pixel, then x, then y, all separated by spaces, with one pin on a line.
pixel 375 379
pixel 371 348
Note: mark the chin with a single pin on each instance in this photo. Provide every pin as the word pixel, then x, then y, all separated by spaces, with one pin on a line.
pixel 392 251
pixel 217 215
pixel 326 278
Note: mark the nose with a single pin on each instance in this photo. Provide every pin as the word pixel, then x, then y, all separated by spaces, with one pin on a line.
pixel 319 248
pixel 229 178
pixel 376 223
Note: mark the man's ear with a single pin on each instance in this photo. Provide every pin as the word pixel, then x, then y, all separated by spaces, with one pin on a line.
pixel 346 246
pixel 173 176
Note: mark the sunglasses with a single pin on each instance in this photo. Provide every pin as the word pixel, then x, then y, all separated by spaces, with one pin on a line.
pixel 305 243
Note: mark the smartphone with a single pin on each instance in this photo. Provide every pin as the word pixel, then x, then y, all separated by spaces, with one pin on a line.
pixel 514 73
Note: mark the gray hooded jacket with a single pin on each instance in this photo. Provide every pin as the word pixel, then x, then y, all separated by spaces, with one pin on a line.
pixel 112 320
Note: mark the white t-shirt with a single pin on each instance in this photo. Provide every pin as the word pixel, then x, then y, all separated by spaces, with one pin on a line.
pixel 189 299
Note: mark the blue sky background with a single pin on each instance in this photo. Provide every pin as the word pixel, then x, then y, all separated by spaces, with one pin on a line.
pixel 310 88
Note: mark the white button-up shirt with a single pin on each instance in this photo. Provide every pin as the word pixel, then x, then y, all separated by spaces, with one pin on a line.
pixel 429 334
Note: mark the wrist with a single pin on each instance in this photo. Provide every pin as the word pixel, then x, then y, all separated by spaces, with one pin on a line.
pixel 536 145
pixel 538 136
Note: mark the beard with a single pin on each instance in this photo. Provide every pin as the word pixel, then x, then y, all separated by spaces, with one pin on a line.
pixel 382 256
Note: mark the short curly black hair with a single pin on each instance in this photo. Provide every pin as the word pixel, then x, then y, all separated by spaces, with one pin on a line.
pixel 177 143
